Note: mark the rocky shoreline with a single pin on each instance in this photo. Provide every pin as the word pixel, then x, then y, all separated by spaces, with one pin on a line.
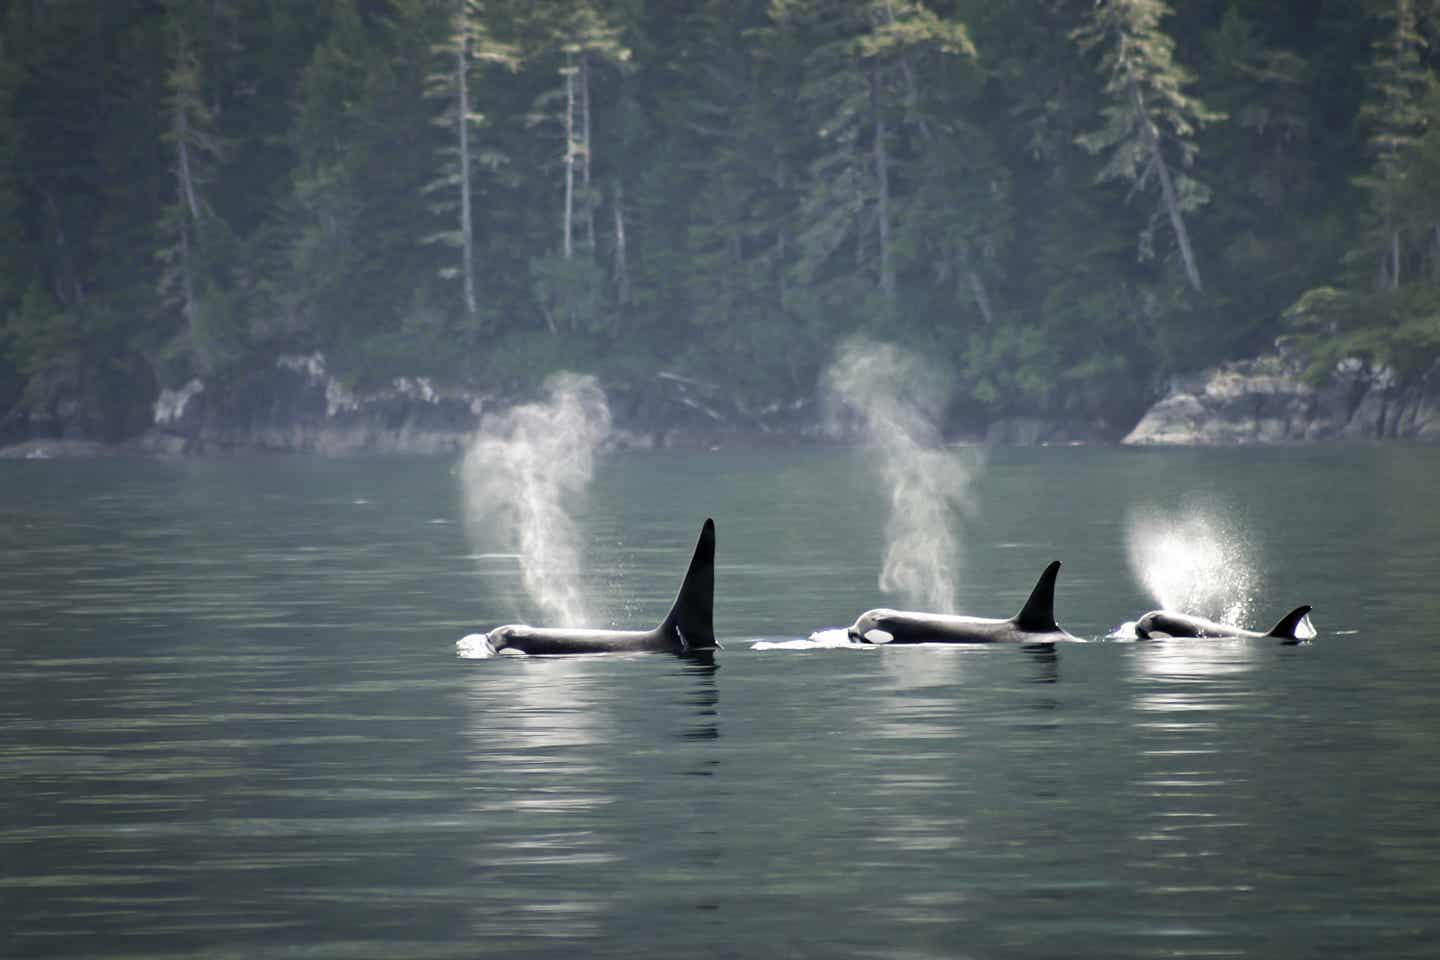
pixel 298 407
pixel 1266 400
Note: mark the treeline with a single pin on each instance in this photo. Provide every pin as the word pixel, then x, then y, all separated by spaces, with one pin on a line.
pixel 1061 201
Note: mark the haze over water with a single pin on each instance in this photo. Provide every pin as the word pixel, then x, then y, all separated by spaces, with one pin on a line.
pixel 525 471
pixel 232 722
pixel 893 402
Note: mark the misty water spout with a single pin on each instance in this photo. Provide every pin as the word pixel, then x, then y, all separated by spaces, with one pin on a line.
pixel 523 473
pixel 1192 560
pixel 893 402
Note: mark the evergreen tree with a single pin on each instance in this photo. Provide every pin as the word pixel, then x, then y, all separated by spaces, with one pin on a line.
pixel 364 147
pixel 195 148
pixel 12 258
pixel 1394 119
pixel 725 203
pixel 733 185
pixel 1149 114
pixel 468 43
pixel 1386 311
pixel 1269 228
pixel 571 290
pixel 860 81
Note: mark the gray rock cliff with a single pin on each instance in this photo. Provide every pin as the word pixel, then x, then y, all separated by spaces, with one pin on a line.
pixel 1265 400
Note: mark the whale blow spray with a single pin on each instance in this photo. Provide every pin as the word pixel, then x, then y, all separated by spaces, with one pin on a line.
pixel 893 402
pixel 524 468
pixel 1192 560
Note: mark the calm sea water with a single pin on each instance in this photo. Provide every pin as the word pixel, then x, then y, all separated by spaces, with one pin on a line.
pixel 233 724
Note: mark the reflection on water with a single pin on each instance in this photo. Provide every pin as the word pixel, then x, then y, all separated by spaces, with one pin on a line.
pixel 573 779
pixel 232 724
pixel 1182 665
pixel 535 730
pixel 1046 660
pixel 1190 789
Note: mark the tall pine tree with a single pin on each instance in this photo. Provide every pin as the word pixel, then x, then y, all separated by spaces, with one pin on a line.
pixel 1150 120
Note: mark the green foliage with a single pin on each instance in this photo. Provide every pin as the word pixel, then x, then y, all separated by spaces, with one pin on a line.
pixel 571 294
pixel 12 259
pixel 1399 330
pixel 74 365
pixel 1394 116
pixel 191 189
pixel 1150 121
pixel 466 44
pixel 1388 312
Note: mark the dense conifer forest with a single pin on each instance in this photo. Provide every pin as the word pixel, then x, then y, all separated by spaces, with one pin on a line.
pixel 1063 202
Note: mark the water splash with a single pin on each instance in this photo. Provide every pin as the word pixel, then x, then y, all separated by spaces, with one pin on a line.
pixel 474 646
pixel 893 401
pixel 524 470
pixel 834 638
pixel 1192 560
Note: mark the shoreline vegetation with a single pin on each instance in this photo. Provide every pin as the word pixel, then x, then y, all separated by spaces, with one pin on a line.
pixel 354 226
pixel 299 408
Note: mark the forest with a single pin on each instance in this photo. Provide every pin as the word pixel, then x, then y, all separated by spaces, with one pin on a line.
pixel 1063 203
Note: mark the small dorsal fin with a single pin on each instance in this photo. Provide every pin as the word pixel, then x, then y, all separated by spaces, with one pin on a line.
pixel 1038 614
pixel 1285 629
pixel 692 616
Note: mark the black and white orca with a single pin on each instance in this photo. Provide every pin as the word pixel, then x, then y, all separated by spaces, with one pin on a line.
pixel 1162 624
pixel 688 628
pixel 1034 624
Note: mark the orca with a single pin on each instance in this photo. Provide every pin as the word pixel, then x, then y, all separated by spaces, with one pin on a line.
pixel 1034 624
pixel 687 629
pixel 1163 624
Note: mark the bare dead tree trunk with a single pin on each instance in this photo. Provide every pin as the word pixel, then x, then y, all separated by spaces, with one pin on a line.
pixel 1167 186
pixel 782 240
pixel 568 243
pixel 587 198
pixel 912 94
pixel 186 182
pixel 462 123
pixel 187 281
pixel 185 188
pixel 982 297
pixel 1394 259
pixel 621 269
pixel 882 189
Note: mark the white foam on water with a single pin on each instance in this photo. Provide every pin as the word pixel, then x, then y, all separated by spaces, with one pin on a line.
pixel 832 639
pixel 474 646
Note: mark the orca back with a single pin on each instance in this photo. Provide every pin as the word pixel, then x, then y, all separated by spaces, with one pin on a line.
pixel 1038 614
pixel 692 616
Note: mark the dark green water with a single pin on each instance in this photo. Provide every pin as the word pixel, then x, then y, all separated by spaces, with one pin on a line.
pixel 232 722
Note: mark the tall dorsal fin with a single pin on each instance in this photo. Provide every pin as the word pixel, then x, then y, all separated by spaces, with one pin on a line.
pixel 1285 629
pixel 693 611
pixel 1038 614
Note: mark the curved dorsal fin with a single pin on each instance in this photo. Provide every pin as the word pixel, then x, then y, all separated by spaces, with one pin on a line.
pixel 1285 629
pixel 1038 614
pixel 692 613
